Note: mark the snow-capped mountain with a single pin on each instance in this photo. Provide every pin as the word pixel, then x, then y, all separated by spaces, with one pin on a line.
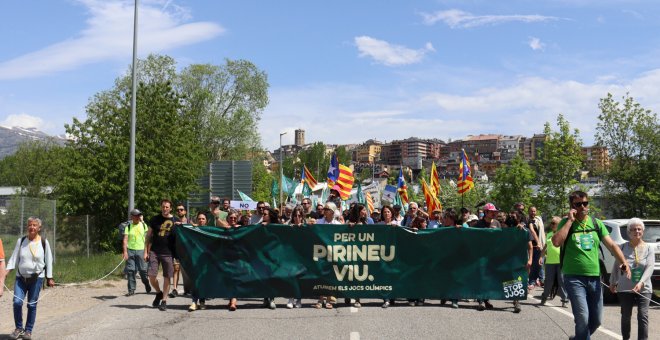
pixel 11 137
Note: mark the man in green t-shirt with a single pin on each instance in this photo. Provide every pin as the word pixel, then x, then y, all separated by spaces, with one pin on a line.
pixel 134 236
pixel 581 236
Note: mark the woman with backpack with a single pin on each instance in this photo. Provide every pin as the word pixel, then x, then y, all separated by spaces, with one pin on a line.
pixel 33 261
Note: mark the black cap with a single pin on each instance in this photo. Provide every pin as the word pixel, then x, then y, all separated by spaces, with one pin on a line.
pixel 136 212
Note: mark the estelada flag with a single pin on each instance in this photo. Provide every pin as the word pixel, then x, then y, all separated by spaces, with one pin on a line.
pixel 465 181
pixel 333 170
pixel 345 181
pixel 402 188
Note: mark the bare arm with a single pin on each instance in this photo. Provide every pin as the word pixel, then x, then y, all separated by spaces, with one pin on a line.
pixel 125 247
pixel 617 253
pixel 560 236
pixel 147 243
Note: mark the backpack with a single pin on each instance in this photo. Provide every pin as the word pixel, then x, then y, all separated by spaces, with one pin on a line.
pixel 597 229
pixel 121 227
pixel 18 259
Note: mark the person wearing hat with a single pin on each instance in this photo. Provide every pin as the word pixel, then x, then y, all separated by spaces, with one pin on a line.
pixel 329 210
pixel 435 219
pixel 133 246
pixel 489 220
pixel 375 215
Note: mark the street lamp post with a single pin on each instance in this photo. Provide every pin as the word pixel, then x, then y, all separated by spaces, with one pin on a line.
pixel 281 167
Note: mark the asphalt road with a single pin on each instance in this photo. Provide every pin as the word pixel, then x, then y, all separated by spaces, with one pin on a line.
pixel 133 317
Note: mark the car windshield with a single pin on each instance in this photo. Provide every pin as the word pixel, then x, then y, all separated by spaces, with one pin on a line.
pixel 651 232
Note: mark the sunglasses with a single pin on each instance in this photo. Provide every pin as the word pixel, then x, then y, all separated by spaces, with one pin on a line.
pixel 577 204
pixel 181 209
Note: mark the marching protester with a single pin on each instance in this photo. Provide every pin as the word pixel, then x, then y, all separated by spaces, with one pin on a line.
pixel 516 221
pixel 450 219
pixel 2 268
pixel 159 250
pixel 307 208
pixel 329 210
pixel 270 216
pixel 435 220
pixel 535 225
pixel 387 216
pixel 488 221
pixel 258 216
pixel 33 260
pixel 232 222
pixel 635 290
pixel 216 217
pixel 197 302
pixel 553 275
pixel 297 221
pixel 133 251
pixel 581 235
pixel 182 216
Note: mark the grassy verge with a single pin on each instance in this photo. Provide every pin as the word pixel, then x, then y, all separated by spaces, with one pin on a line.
pixel 80 268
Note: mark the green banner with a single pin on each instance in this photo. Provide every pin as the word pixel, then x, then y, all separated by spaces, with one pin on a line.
pixel 368 261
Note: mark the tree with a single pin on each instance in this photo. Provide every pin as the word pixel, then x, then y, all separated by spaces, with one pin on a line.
pixel 343 155
pixel 168 161
pixel 450 198
pixel 34 166
pixel 316 160
pixel 630 134
pixel 512 183
pixel 557 166
pixel 262 182
pixel 226 102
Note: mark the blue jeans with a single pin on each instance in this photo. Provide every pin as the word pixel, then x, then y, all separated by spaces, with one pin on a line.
pixel 20 290
pixel 586 297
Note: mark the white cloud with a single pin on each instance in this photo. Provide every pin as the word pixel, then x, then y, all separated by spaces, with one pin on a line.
pixel 456 18
pixel 341 113
pixel 389 54
pixel 536 44
pixel 25 121
pixel 633 13
pixel 109 35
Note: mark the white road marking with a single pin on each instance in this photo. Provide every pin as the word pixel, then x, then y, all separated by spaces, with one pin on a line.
pixel 570 315
pixel 355 336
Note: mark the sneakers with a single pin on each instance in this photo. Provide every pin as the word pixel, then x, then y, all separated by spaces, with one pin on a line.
pixel 442 302
pixel 130 293
pixel 488 305
pixel 163 306
pixel 159 297
pixel 27 335
pixel 563 304
pixel 357 304
pixel 386 304
pixel 173 293
pixel 202 304
pixel 147 287
pixel 298 303
pixel 193 307
pixel 289 304
pixel 516 306
pixel 271 304
pixel 17 333
pixel 454 304
pixel 480 307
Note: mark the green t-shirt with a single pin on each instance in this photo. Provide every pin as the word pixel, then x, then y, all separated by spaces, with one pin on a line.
pixel 581 249
pixel 136 235
pixel 551 252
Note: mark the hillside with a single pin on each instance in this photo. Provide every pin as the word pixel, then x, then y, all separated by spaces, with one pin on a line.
pixel 11 138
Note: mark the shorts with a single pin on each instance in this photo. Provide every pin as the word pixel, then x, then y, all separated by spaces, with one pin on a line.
pixel 164 260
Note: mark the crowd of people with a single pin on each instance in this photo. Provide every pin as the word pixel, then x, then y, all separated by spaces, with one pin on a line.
pixel 562 259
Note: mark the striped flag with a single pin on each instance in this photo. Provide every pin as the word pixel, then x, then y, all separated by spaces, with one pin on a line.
pixel 435 179
pixel 370 202
pixel 402 188
pixel 333 170
pixel 431 199
pixel 307 177
pixel 345 181
pixel 465 181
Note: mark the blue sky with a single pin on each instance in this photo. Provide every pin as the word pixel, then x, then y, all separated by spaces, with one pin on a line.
pixel 347 71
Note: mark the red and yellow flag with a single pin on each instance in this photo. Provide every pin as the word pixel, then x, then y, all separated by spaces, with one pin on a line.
pixel 370 202
pixel 435 179
pixel 432 201
pixel 345 181
pixel 307 177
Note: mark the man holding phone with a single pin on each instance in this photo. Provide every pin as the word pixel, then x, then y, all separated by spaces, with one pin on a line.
pixel 580 236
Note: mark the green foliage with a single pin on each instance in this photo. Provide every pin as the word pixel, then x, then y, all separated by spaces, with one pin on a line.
pixel 343 156
pixel 226 103
pixel 512 183
pixel 450 198
pixel 316 159
pixel 557 167
pixel 168 161
pixel 262 182
pixel 34 166
pixel 630 133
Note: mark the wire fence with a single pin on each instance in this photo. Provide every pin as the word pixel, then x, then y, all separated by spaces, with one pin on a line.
pixel 67 235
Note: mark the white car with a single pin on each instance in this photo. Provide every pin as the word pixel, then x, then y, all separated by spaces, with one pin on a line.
pixel 618 229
